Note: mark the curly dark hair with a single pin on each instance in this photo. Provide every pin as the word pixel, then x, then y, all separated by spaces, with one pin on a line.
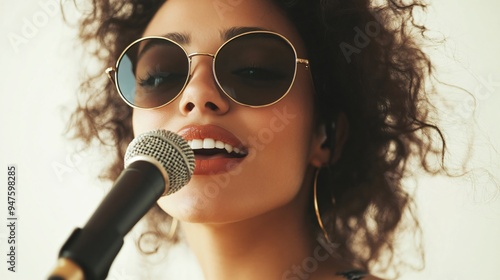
pixel 366 61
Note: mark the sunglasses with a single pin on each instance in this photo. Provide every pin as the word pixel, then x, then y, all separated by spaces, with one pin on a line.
pixel 255 69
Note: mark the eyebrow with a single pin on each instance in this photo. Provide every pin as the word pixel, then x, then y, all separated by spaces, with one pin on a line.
pixel 185 38
pixel 234 31
pixel 181 38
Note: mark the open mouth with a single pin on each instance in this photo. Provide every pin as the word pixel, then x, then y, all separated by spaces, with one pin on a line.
pixel 209 148
pixel 216 149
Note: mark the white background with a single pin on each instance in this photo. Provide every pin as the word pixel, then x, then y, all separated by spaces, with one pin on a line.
pixel 58 188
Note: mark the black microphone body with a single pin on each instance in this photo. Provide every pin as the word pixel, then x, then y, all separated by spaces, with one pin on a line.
pixel 95 246
pixel 156 163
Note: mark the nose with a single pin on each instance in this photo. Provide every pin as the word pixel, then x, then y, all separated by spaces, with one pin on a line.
pixel 202 94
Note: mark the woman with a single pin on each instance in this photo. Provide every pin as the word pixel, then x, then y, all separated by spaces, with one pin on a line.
pixel 302 130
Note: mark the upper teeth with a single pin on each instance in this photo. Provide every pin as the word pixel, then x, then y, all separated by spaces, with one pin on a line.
pixel 210 143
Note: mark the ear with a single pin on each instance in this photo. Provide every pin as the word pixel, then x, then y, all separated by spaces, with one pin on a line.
pixel 341 135
pixel 322 152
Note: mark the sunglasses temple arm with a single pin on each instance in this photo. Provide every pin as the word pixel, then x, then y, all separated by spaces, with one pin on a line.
pixel 110 73
pixel 303 61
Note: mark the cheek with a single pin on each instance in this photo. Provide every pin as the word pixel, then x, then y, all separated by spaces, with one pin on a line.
pixel 285 149
pixel 141 122
pixel 148 120
pixel 281 142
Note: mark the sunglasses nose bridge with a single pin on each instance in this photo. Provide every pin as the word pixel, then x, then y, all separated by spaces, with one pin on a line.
pixel 190 57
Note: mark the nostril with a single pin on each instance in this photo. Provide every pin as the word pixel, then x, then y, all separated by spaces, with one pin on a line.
pixel 211 106
pixel 190 106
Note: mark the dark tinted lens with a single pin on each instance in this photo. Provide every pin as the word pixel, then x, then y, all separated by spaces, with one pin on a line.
pixel 256 69
pixel 152 72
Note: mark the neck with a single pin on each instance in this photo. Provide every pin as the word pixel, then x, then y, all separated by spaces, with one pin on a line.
pixel 260 248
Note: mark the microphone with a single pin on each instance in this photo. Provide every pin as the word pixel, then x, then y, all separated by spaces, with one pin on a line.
pixel 157 163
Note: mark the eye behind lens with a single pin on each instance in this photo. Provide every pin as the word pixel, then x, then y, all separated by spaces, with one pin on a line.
pixel 152 72
pixel 256 69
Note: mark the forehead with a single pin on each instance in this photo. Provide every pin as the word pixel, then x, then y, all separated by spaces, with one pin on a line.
pixel 204 21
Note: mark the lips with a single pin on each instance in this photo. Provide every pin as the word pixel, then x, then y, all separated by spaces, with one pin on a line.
pixel 216 149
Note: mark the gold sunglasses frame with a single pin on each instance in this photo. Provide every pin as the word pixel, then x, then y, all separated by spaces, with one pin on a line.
pixel 114 77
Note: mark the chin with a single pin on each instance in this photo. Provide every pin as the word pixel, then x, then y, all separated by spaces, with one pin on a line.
pixel 191 206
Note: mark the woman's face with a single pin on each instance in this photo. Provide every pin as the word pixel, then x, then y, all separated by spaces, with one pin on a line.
pixel 280 141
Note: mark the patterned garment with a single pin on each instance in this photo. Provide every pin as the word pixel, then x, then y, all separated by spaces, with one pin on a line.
pixel 353 274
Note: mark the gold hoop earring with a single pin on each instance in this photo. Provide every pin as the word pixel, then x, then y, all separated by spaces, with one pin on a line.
pixel 316 207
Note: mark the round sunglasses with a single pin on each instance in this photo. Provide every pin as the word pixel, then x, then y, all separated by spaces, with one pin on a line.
pixel 255 69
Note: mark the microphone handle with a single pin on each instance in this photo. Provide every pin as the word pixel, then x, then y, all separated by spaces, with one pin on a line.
pixel 89 252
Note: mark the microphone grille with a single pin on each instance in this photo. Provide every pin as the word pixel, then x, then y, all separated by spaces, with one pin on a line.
pixel 170 150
